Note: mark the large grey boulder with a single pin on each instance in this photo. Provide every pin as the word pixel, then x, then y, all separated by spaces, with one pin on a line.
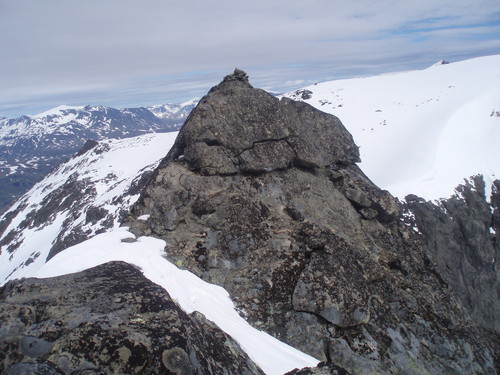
pixel 279 134
pixel 263 197
pixel 108 320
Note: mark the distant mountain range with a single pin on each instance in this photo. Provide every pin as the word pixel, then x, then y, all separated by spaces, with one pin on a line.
pixel 419 132
pixel 31 146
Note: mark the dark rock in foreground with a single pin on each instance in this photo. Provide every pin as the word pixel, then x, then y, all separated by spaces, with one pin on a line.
pixel 263 197
pixel 108 320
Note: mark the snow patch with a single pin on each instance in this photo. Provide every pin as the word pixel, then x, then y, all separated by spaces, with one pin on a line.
pixel 56 111
pixel 190 292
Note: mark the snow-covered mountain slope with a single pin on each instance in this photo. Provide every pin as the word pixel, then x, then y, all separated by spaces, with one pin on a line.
pixel 77 200
pixel 50 130
pixel 99 121
pixel 420 132
pixel 174 111
pixel 31 146
pixel 72 207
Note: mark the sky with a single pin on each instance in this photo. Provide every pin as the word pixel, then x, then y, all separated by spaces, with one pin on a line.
pixel 130 53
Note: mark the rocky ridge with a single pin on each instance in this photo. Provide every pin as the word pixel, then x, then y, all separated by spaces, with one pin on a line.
pixel 263 197
pixel 309 248
pixel 126 325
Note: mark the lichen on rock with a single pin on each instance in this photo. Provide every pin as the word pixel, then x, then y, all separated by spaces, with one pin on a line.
pixel 280 133
pixel 108 319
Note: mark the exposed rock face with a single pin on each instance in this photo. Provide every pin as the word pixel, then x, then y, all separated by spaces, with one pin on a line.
pixel 461 235
pixel 108 320
pixel 323 368
pixel 274 137
pixel 263 197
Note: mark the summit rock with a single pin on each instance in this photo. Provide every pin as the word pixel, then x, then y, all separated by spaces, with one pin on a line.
pixel 263 197
pixel 239 129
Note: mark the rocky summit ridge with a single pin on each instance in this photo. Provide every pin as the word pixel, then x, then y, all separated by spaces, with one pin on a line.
pixel 263 197
pixel 225 135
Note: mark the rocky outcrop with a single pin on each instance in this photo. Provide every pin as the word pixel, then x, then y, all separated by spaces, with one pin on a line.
pixel 108 320
pixel 322 368
pixel 263 197
pixel 461 237
pixel 279 134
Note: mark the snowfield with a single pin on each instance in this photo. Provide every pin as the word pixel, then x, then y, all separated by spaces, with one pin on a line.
pixel 420 132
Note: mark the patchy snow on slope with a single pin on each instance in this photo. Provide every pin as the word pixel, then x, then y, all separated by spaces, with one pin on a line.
pixel 107 171
pixel 190 292
pixel 179 111
pixel 420 132
pixel 62 204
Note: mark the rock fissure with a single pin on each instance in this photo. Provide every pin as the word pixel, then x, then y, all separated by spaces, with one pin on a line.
pixel 270 140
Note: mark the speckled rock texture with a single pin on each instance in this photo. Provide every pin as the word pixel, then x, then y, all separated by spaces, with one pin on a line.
pixel 277 135
pixel 323 368
pixel 263 197
pixel 108 320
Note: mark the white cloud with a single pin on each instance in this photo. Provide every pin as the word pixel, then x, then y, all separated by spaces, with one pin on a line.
pixel 128 47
